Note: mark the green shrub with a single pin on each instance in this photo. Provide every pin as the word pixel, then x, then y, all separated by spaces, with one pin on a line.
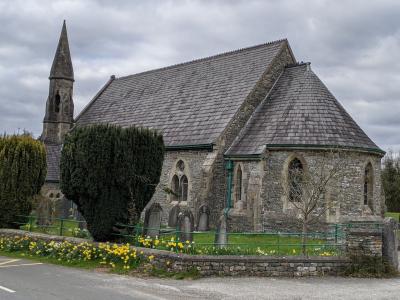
pixel 22 174
pixel 111 174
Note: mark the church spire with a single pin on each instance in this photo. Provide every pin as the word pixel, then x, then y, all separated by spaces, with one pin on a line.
pixel 59 116
pixel 62 64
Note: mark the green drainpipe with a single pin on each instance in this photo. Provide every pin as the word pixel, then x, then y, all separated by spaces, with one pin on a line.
pixel 229 169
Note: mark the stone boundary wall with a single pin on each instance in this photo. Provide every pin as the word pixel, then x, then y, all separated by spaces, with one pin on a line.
pixel 226 265
pixel 364 242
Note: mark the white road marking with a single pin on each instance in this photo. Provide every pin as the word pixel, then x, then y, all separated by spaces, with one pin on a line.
pixel 6 289
pixel 8 261
pixel 21 265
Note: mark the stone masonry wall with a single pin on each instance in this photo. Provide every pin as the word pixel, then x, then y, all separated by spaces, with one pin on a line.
pixel 217 193
pixel 195 170
pixel 346 197
pixel 364 242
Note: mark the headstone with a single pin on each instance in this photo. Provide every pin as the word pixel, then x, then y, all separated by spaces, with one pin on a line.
pixel 186 226
pixel 204 218
pixel 44 211
pixel 62 207
pixel 221 235
pixel 152 220
pixel 173 216
pixel 390 242
pixel 82 222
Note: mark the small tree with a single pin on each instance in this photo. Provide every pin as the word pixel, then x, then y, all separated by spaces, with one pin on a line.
pixel 307 189
pixel 22 174
pixel 111 174
pixel 391 181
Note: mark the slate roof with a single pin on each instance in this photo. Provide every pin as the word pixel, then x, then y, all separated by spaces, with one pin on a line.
pixel 299 110
pixel 53 155
pixel 191 103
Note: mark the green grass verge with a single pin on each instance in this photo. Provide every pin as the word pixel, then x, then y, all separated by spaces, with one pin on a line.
pixel 89 265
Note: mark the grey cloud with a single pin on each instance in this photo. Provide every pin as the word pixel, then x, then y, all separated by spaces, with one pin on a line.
pixel 354 47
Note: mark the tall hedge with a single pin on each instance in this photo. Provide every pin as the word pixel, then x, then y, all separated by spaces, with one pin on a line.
pixel 22 174
pixel 111 174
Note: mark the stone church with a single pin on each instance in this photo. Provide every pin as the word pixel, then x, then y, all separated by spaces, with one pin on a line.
pixel 234 125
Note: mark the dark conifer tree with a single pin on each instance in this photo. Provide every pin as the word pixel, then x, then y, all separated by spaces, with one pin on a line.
pixel 22 174
pixel 111 174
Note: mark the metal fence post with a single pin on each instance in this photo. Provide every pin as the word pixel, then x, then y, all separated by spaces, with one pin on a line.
pixel 336 233
pixel 61 226
pixel 30 223
pixel 137 235
pixel 177 237
pixel 278 243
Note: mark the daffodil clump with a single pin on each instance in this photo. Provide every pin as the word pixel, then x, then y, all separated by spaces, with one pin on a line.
pixel 113 255
pixel 171 244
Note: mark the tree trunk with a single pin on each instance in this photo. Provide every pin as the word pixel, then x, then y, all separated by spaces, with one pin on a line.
pixel 304 238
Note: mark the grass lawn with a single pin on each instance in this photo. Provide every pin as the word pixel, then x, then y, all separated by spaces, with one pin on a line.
pixel 272 244
pixel 394 215
pixel 69 228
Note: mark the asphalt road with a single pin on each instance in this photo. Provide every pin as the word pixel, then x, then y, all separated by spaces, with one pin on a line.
pixel 24 279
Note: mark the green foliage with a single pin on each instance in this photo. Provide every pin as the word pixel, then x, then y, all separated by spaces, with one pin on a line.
pixel 391 182
pixel 111 174
pixel 22 174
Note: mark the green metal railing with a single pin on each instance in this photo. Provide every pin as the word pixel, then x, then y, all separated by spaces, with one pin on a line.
pixel 326 243
pixel 329 242
pixel 56 226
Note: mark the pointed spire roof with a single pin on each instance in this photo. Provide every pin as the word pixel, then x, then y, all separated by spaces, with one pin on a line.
pixel 300 112
pixel 62 64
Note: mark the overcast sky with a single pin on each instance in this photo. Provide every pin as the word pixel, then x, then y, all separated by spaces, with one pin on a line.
pixel 353 46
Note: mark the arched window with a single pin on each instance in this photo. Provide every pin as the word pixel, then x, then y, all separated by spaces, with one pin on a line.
pixel 368 185
pixel 238 184
pixel 295 179
pixel 57 101
pixel 184 188
pixel 179 183
pixel 175 188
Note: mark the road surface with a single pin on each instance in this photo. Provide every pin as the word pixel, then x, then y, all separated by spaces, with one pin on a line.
pixel 24 279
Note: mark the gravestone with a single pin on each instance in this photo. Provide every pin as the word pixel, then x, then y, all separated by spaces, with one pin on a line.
pixel 390 242
pixel 82 222
pixel 204 218
pixel 221 235
pixel 173 216
pixel 63 207
pixel 152 220
pixel 186 226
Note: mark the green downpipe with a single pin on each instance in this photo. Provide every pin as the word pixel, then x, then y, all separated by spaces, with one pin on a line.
pixel 229 169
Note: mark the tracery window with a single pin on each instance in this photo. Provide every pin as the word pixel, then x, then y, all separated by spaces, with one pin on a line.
pixel 238 184
pixel 180 183
pixel 175 188
pixel 368 185
pixel 295 176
